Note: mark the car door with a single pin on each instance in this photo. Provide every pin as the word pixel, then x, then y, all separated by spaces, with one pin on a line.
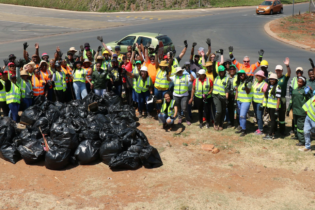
pixel 167 43
pixel 125 42
pixel 277 7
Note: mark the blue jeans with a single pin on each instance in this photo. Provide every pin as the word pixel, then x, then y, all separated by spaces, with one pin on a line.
pixel 118 90
pixel 79 90
pixel 100 92
pixel 259 115
pixel 142 99
pixel 88 87
pixel 309 126
pixel 14 110
pixel 159 94
pixel 27 102
pixel 242 110
pixel 134 96
pixel 164 119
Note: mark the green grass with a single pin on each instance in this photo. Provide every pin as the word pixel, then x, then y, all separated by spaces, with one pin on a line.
pixel 119 5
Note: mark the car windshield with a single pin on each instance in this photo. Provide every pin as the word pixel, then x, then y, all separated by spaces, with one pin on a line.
pixel 267 3
pixel 165 40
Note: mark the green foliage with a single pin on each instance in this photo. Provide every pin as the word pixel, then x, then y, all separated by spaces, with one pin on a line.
pixel 137 6
pixel 104 8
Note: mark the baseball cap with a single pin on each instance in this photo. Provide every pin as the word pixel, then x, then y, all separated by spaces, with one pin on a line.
pixel 138 62
pixel 11 63
pixel 44 54
pixel 299 69
pixel 115 55
pixel 165 57
pixel 117 48
pixel 279 67
pixel 11 56
pixel 86 45
pixel 13 76
pixel 114 59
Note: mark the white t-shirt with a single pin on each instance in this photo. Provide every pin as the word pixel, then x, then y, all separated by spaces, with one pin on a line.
pixel 173 80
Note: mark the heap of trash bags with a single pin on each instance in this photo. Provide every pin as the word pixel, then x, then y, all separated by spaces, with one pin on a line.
pixel 76 135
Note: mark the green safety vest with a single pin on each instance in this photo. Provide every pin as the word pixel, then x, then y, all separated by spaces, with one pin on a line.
pixel 143 86
pixel 309 108
pixel 294 84
pixel 220 85
pixel 258 93
pixel 242 96
pixel 84 53
pixel 170 110
pixel 14 95
pixel 271 102
pixel 22 86
pixel 161 80
pixel 202 88
pixel 2 92
pixel 135 71
pixel 181 84
pixel 59 83
pixel 77 76
pixel 174 66
pixel 103 66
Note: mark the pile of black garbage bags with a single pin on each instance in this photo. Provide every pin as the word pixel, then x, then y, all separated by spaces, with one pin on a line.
pixel 78 136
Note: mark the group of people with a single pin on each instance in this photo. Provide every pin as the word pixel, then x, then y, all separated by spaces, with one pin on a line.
pixel 221 90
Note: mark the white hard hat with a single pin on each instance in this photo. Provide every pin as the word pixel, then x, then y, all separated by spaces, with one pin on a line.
pixel 178 69
pixel 144 68
pixel 201 71
pixel 110 48
pixel 279 67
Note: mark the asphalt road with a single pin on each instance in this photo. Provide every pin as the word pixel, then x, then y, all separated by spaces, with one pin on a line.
pixel 237 27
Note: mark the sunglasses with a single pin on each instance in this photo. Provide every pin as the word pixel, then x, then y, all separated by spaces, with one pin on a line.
pixel 246 61
pixel 12 66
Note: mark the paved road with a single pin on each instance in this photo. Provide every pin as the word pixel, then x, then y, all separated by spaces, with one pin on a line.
pixel 240 28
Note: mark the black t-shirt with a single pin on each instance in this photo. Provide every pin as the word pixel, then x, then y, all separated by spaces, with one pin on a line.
pixel 115 73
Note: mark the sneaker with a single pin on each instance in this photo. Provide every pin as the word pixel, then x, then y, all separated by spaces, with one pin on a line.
pixel 294 137
pixel 220 128
pixel 164 126
pixel 238 128
pixel 229 126
pixel 188 123
pixel 200 125
pixel 208 125
pixel 258 132
pixel 179 121
pixel 243 133
pixel 203 119
pixel 239 131
pixel 305 150
pixel 300 144
pixel 269 137
pixel 216 128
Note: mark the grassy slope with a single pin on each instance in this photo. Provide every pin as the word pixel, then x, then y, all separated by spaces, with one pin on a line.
pixel 118 5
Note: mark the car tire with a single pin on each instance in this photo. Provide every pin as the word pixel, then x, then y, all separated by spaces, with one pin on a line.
pixel 257 13
pixel 271 12
pixel 281 11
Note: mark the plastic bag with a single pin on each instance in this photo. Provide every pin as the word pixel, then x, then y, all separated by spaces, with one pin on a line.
pixel 87 151
pixel 52 114
pixel 7 131
pixel 150 157
pixel 57 158
pixel 43 124
pixel 9 153
pixel 110 149
pixel 31 114
pixel 125 160
pixel 65 137
pixel 32 152
pixel 38 100
pixel 114 100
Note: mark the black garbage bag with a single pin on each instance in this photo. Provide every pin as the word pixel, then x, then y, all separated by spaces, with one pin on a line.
pixel 112 100
pixel 43 124
pixel 7 130
pixel 75 103
pixel 92 134
pixel 45 105
pixel 87 151
pixel 78 124
pixel 81 111
pixel 59 105
pixel 32 152
pixel 38 100
pixel 102 110
pixel 57 158
pixel 31 114
pixel 105 133
pixel 91 98
pixel 100 118
pixel 150 157
pixel 125 161
pixel 52 114
pixel 9 153
pixel 64 137
pixel 110 149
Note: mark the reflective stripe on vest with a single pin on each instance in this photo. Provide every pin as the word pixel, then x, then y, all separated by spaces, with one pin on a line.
pixel 178 87
pixel 134 80
pixel 219 86
pixel 23 87
pixel 309 108
pixel 271 102
pixel 103 66
pixel 88 70
pixel 242 96
pixel 161 80
pixel 58 82
pixel 258 93
pixel 38 89
pixel 250 73
pixel 170 110
pixel 14 96
pixel 77 76
pixel 84 53
pixel 294 84
pixel 202 88
pixel 2 92
pixel 143 86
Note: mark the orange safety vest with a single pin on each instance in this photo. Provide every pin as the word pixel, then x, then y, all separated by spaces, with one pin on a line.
pixel 248 69
pixel 37 84
pixel 67 70
pixel 89 73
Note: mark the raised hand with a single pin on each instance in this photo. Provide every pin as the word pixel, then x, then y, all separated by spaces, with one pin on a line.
pixel 82 48
pixel 99 49
pixel 156 49
pixel 312 63
pixel 36 45
pixel 100 38
pixel 134 47
pixel 286 61
pixel 208 42
pixel 25 45
pixel 216 58
pixel 261 53
pixel 230 49
pixel 185 43
pixel 194 44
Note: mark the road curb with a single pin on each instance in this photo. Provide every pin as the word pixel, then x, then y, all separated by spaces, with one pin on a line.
pixel 293 43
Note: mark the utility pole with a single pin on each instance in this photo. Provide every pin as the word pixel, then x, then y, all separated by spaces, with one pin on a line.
pixel 293 8
pixel 199 3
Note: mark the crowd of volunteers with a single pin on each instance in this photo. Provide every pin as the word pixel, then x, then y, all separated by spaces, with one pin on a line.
pixel 220 90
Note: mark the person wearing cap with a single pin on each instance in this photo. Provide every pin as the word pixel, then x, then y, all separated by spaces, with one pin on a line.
pixel 211 75
pixel 12 70
pixel 161 84
pixel 168 112
pixel 243 99
pixel 30 67
pixel 283 82
pixel 195 61
pixel 72 50
pixel 45 57
pixel 299 97
pixel 11 59
pixel 180 94
pixel 38 85
pixel 100 80
pixel 232 91
pixel 70 59
pixel 46 75
pixel 272 103
pixel 264 67
pixel 106 58
pixel 60 85
pixel 79 78
pixel 13 96
pixel 25 85
pixel 68 95
pixel 26 56
pixel 259 88
pixel 187 69
pixel 299 73
pixel 220 94
pixel 87 49
pixel 88 69
pixel 201 94
pixel 115 75
pixel 144 88
pixel 135 70
pixel 227 63
pixel 119 55
pixel 99 59
pixel 3 104
pixel 246 66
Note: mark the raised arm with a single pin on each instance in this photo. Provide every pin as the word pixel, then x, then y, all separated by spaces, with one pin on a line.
pixel 203 58
pixel 181 55
pixel 312 64
pixel 192 51
pixel 36 49
pixel 209 47
pixel 286 63
pixel 25 46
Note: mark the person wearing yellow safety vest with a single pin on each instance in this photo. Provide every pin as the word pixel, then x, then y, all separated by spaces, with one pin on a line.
pixel 13 96
pixel 215 59
pixel 180 94
pixel 3 104
pixel 299 73
pixel 144 88
pixel 79 77
pixel 201 92
pixel 259 88
pixel 176 60
pixel 300 96
pixel 264 67
pixel 60 84
pixel 69 94
pixel 86 49
pixel 309 124
pixel 46 75
pixel 25 85
pixel 88 67
pixel 221 87
pixel 168 112
pixel 135 70
pixel 243 99
pixel 283 82
pixel 232 91
pixel 100 59
pixel 272 103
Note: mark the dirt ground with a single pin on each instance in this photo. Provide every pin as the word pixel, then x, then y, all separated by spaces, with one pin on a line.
pixel 300 28
pixel 247 173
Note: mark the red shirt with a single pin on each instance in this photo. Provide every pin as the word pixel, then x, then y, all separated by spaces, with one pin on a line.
pixel 128 68
pixel 210 81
